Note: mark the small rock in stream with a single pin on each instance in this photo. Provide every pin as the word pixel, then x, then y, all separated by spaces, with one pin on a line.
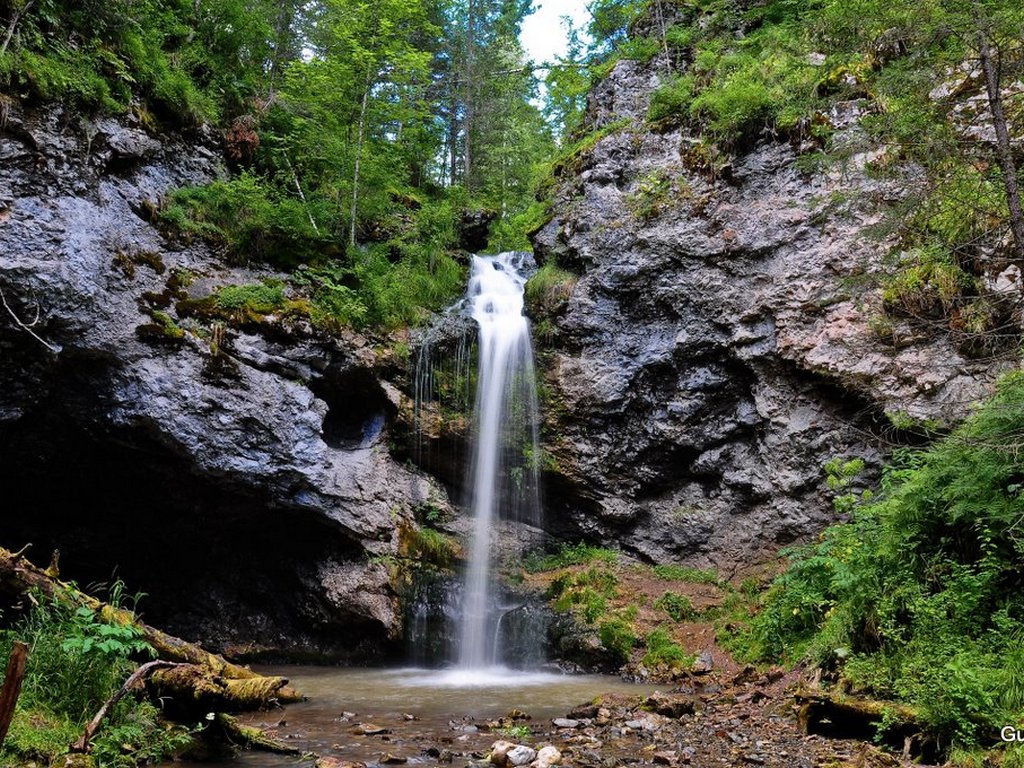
pixel 369 729
pixel 565 722
pixel 521 755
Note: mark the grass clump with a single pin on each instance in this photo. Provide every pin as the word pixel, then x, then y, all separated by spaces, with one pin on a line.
pixel 549 288
pixel 686 573
pixel 662 651
pixel 569 555
pixel 428 545
pixel 251 221
pixel 920 597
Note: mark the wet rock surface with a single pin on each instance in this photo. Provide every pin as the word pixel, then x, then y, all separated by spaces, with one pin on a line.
pixel 243 482
pixel 717 348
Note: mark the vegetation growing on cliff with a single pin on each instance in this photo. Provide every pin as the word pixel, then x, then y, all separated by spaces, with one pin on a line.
pixel 920 597
pixel 374 143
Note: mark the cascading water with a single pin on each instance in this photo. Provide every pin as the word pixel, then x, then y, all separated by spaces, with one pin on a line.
pixel 505 447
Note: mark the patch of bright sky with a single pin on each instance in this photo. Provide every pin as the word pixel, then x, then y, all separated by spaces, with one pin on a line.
pixel 544 33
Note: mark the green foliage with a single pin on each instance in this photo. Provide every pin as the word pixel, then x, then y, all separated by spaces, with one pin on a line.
pixel 515 732
pixel 251 220
pixel 430 546
pixel 919 598
pixel 678 607
pixel 663 652
pixel 686 573
pixel 672 100
pixel 186 62
pixel 586 591
pixel 256 298
pixel 569 555
pixel 839 476
pixel 550 287
pixel 76 662
pixel 618 638
pixel 928 283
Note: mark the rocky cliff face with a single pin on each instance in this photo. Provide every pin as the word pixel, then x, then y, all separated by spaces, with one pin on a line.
pixel 240 476
pixel 718 347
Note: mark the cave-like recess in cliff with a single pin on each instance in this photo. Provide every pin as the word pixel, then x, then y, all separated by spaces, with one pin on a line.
pixel 217 562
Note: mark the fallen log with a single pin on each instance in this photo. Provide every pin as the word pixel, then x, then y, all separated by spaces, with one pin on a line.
pixel 191 688
pixel 251 737
pixel 19 577
pixel 841 716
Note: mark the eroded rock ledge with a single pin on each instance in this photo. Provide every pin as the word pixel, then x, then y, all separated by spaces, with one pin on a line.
pixel 255 501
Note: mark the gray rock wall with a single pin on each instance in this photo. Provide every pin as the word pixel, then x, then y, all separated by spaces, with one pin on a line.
pixel 247 486
pixel 717 348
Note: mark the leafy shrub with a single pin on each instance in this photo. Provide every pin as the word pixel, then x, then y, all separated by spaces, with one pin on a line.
pixel 929 283
pixel 251 220
pixel 618 638
pixel 672 100
pixel 677 606
pixel 662 651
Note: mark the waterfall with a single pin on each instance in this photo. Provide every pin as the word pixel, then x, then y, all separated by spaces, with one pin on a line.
pixel 503 475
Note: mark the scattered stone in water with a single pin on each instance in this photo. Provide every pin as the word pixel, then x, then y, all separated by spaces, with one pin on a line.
pixel 518 714
pixel 334 762
pixel 389 759
pixel 408 717
pixel 369 729
pixel 521 755
pixel 585 711
pixel 565 722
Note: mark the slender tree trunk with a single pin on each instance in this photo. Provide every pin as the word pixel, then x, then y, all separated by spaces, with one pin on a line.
pixel 470 96
pixel 664 38
pixel 355 169
pixel 1004 150
pixel 16 17
pixel 453 138
pixel 12 686
pixel 283 41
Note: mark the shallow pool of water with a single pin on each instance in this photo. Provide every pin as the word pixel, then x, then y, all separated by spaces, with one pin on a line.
pixel 421 710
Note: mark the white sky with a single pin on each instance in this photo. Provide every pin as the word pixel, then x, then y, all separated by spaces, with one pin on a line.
pixel 544 33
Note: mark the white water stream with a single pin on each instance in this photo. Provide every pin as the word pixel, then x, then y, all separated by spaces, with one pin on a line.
pixel 505 447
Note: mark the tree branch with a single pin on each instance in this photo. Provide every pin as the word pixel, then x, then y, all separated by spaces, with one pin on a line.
pixel 27 327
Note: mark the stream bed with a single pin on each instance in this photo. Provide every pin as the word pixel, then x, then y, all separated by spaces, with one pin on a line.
pixel 426 716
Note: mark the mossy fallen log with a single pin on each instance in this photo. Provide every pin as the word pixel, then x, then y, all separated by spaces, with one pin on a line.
pixel 825 710
pixel 837 715
pixel 251 737
pixel 241 687
pixel 193 688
